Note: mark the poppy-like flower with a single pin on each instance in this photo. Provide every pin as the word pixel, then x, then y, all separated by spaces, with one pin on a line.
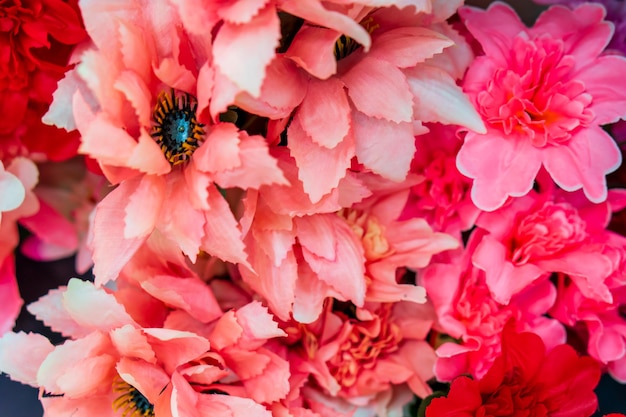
pixel 525 381
pixel 543 93
pixel 139 110
pixel 112 366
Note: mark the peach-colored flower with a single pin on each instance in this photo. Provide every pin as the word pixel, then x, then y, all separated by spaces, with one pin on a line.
pixel 138 114
pixel 543 93
pixel 360 353
pixel 379 96
pixel 113 366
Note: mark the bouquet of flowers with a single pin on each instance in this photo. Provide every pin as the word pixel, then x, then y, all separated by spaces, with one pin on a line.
pixel 315 208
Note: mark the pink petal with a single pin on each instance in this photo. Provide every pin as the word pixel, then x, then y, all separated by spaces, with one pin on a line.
pixel 253 43
pixel 137 93
pixel 346 272
pixel 148 157
pixel 220 149
pixel 257 322
pixel 189 294
pixel 106 142
pixel 82 297
pixel 179 220
pixel 21 354
pixel 588 157
pixel 222 236
pixel 110 251
pixel 241 11
pixel 319 168
pixel 63 370
pixel 584 32
pixel 60 113
pixel 52 312
pixel 131 342
pixel 379 89
pixel 386 148
pixel 310 295
pixel 149 379
pixel 241 406
pixel 494 28
pixel 313 49
pixel 10 300
pixel 439 99
pixel 51 227
pixel 407 46
pixel 257 167
pixel 174 348
pixel 144 207
pixel 273 384
pixel 325 113
pixel 205 85
pixel 501 167
pixel 314 11
pixel 603 82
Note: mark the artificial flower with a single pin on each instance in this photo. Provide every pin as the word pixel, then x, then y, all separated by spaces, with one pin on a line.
pixel 543 93
pixel 525 380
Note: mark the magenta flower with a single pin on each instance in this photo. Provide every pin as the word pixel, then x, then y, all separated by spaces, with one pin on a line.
pixel 543 93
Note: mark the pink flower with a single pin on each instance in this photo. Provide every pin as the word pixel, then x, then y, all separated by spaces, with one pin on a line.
pixel 467 311
pixel 140 111
pixel 359 354
pixel 539 234
pixel 359 121
pixel 17 203
pixel 112 365
pixel 442 197
pixel 543 93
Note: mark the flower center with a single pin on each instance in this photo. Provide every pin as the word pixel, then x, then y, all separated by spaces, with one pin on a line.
pixel 131 402
pixel 534 96
pixel 366 342
pixel 553 228
pixel 370 231
pixel 345 45
pixel 176 128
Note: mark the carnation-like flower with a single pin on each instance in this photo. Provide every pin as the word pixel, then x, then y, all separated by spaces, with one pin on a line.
pixel 543 93
pixel 525 381
pixel 541 233
pixel 466 311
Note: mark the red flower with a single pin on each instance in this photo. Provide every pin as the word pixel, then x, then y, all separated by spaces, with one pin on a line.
pixel 36 39
pixel 525 381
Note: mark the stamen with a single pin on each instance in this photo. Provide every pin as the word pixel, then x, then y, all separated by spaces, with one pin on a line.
pixel 131 402
pixel 176 128
pixel 345 45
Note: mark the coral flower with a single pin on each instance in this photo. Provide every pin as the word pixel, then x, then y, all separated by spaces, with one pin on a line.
pixel 357 354
pixel 525 381
pixel 543 93
pixel 139 109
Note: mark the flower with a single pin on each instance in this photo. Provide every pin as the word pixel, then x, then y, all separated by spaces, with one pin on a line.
pixel 543 93
pixel 467 312
pixel 541 233
pixel 525 380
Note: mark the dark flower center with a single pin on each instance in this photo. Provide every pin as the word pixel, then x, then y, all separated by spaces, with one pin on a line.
pixel 176 128
pixel 131 402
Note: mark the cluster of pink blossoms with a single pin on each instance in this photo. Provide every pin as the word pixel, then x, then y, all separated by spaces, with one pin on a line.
pixel 307 208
